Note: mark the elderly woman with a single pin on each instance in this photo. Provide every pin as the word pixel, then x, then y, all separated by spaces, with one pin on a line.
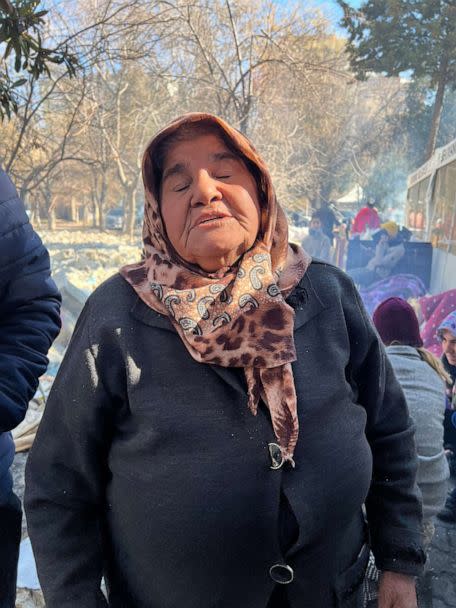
pixel 223 412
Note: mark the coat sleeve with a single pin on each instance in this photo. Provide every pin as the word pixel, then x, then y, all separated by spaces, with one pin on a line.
pixel 393 504
pixel 29 308
pixel 66 477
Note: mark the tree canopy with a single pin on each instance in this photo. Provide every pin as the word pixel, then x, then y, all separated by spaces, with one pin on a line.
pixel 74 145
pixel 21 26
pixel 412 37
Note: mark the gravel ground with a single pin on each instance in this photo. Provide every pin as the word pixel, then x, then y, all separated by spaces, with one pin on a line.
pixel 26 598
pixel 443 563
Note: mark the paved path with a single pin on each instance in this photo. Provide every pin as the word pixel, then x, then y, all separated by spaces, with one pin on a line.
pixel 443 565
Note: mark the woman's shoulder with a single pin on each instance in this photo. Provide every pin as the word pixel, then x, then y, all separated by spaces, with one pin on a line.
pixel 402 350
pixel 326 282
pixel 407 360
pixel 327 278
pixel 115 304
pixel 112 298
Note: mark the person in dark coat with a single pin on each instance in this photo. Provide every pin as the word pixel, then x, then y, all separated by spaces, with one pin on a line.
pixel 29 322
pixel 223 412
pixel 328 219
pixel 447 334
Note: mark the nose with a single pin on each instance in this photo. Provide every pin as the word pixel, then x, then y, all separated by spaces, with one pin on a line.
pixel 205 189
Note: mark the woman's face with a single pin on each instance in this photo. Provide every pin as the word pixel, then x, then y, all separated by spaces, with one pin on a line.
pixel 449 346
pixel 209 203
pixel 315 224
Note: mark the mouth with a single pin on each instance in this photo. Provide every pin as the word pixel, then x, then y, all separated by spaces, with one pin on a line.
pixel 212 219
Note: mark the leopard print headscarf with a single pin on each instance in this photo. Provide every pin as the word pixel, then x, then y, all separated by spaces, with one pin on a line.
pixel 237 317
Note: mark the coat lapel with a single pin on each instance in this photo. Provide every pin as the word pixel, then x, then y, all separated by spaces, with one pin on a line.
pixel 231 377
pixel 310 303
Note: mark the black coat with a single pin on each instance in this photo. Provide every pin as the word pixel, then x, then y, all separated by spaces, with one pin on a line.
pixel 449 425
pixel 158 474
pixel 29 317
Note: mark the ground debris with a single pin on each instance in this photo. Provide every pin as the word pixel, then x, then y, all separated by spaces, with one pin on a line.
pixel 29 598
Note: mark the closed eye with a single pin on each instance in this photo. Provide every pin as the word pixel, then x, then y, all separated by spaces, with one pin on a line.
pixel 222 176
pixel 181 188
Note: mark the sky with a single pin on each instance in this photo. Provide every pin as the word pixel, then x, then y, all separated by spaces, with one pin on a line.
pixel 329 7
pixel 354 3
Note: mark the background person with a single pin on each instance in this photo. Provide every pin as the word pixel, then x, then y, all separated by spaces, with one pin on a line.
pixel 327 218
pixel 316 243
pixel 437 232
pixel 431 311
pixel 447 334
pixel 422 378
pixel 366 220
pixel 389 250
pixel 29 322
pixel 182 441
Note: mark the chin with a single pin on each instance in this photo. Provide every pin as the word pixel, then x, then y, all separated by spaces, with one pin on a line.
pixel 216 249
pixel 213 259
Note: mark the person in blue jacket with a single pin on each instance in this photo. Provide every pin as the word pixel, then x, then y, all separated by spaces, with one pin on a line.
pixel 29 322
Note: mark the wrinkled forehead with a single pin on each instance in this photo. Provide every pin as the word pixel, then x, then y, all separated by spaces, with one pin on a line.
pixel 210 148
pixel 161 151
pixel 166 148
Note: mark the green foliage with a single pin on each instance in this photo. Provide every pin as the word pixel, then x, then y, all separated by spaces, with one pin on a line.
pixel 397 36
pixel 413 122
pixel 413 37
pixel 387 182
pixel 21 23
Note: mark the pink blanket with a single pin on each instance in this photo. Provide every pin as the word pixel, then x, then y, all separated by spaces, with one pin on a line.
pixel 434 309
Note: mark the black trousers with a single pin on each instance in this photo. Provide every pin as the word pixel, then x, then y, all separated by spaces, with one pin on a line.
pixel 10 539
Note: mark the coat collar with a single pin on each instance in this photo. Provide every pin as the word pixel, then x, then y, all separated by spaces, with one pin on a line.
pixel 401 349
pixel 306 302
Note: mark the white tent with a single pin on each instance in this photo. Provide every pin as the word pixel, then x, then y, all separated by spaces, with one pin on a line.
pixel 352 199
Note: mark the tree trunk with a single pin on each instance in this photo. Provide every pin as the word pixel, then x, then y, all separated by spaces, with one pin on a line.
pixel 98 216
pixel 85 217
pixel 438 105
pixel 36 215
pixel 73 210
pixel 51 220
pixel 101 201
pixel 130 215
pixel 244 123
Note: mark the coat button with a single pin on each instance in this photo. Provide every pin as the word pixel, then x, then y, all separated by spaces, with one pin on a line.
pixel 276 456
pixel 281 573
